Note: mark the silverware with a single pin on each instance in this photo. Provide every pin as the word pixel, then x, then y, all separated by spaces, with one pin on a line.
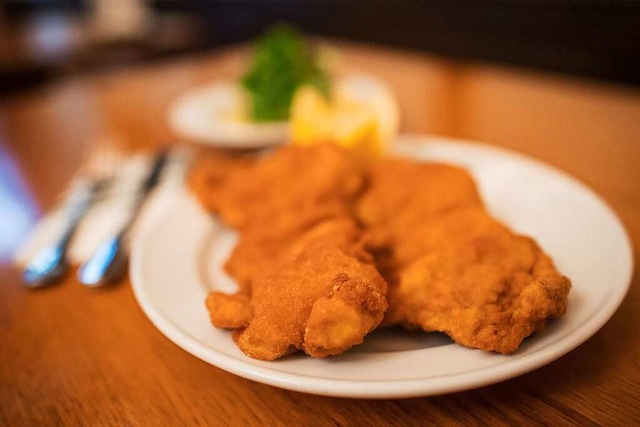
pixel 51 263
pixel 108 264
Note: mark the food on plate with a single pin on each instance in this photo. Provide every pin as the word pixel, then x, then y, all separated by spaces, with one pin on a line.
pixel 287 80
pixel 282 62
pixel 209 174
pixel 306 281
pixel 258 245
pixel 292 180
pixel 476 281
pixel 291 90
pixel 361 115
pixel 320 294
pixel 450 266
pixel 401 195
pixel 230 311
pixel 331 247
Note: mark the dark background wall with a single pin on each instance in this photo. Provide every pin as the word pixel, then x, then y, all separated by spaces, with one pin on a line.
pixel 595 39
pixel 592 38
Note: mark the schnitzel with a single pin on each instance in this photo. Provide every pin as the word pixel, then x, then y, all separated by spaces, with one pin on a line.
pixel 476 281
pixel 329 246
pixel 292 179
pixel 401 195
pixel 273 199
pixel 306 281
pixel 258 244
pixel 321 294
pixel 450 266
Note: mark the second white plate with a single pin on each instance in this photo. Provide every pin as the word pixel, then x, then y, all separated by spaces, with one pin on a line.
pixel 176 261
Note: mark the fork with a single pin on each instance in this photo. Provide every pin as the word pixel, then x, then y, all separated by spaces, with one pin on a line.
pixel 108 264
pixel 97 172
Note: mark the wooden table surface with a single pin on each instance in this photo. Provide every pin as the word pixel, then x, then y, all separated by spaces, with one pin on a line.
pixel 76 356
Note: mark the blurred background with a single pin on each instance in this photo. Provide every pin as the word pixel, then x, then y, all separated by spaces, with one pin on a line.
pixel 47 40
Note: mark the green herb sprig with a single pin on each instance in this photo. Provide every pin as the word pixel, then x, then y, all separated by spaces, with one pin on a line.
pixel 282 61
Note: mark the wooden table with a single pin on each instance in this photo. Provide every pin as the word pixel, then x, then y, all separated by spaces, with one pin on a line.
pixel 76 356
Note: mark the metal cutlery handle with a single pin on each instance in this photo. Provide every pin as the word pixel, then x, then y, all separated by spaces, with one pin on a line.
pixel 50 263
pixel 149 184
pixel 109 262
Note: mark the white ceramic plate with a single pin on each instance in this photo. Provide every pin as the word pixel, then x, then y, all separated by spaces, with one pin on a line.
pixel 176 261
pixel 201 115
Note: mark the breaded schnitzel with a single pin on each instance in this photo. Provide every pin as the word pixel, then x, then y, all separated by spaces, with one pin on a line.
pixel 321 294
pixel 450 266
pixel 307 279
pixel 260 243
pixel 401 195
pixel 292 179
pixel 478 282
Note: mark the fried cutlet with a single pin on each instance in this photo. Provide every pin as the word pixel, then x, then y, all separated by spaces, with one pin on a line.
pixel 450 266
pixel 292 179
pixel 210 172
pixel 476 281
pixel 321 294
pixel 307 279
pixel 273 199
pixel 260 243
pixel 401 195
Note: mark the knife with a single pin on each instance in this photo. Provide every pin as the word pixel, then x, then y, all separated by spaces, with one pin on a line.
pixel 109 263
pixel 50 264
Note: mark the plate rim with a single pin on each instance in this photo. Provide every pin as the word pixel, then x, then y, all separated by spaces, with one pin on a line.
pixel 228 141
pixel 377 389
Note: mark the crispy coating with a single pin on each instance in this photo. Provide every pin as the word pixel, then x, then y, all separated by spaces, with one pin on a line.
pixel 229 311
pixel 260 243
pixel 209 174
pixel 402 194
pixel 321 294
pixel 292 179
pixel 478 282
pixel 274 199
pixel 306 281
pixel 307 277
pixel 450 266
pixel 451 226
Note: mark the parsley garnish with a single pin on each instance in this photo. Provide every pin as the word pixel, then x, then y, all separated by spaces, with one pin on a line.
pixel 282 61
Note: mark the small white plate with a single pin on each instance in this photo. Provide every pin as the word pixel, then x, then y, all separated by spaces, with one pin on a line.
pixel 203 115
pixel 206 114
pixel 176 260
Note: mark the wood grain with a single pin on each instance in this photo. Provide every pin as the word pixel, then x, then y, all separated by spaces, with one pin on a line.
pixel 75 356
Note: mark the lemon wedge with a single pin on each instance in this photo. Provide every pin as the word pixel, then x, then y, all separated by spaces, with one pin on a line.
pixel 310 117
pixel 361 116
